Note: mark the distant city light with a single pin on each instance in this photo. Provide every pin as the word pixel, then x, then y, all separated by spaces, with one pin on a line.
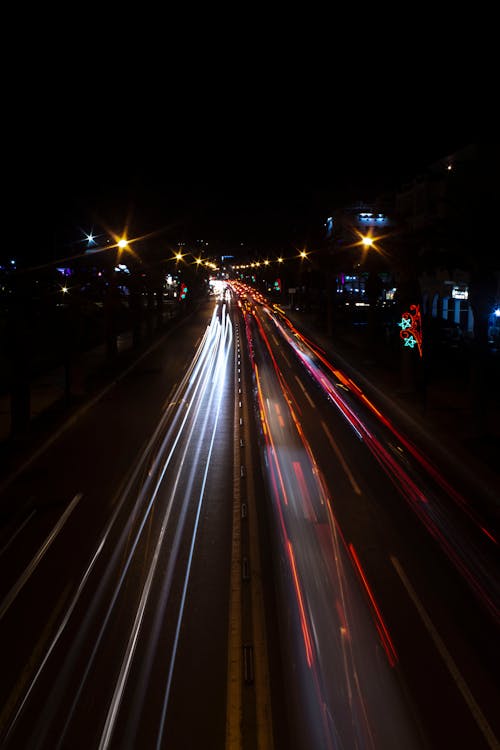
pixel 389 295
pixel 497 312
pixel 459 293
pixel 64 289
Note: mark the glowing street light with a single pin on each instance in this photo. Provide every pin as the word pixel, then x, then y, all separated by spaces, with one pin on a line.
pixel 367 241
pixel 122 243
pixel 303 254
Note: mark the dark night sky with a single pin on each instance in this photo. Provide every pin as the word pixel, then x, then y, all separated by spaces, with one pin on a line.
pixel 232 191
pixel 249 137
pixel 241 177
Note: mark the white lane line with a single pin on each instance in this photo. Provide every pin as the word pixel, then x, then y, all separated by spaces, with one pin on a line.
pixel 60 630
pixel 21 527
pixel 225 346
pixel 169 397
pixel 39 555
pixel 305 392
pixel 286 358
pixel 475 710
pixel 341 458
pixel 210 380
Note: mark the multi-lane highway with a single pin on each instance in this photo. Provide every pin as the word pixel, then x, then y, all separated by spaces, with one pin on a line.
pixel 387 577
pixel 116 560
pixel 232 546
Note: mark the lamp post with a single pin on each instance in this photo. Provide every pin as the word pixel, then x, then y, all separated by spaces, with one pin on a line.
pixel 112 303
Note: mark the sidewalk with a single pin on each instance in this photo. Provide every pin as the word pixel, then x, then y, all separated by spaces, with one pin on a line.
pixel 49 390
pixel 48 397
pixel 443 426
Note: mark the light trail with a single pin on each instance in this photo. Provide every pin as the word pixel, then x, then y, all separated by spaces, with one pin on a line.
pixel 426 464
pixel 127 661
pixel 302 506
pixel 219 379
pixel 193 383
pixel 462 552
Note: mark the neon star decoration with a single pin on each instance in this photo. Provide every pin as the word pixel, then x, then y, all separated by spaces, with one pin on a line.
pixel 411 328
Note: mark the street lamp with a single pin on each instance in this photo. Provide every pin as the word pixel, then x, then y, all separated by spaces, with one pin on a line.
pixel 121 245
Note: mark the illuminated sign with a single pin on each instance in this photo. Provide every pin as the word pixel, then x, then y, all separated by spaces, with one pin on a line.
pixel 371 219
pixel 459 293
pixel 411 328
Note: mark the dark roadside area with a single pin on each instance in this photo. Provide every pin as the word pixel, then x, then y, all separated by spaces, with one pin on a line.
pixel 64 390
pixel 441 415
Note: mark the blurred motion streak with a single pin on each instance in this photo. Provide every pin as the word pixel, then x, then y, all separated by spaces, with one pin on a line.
pixel 381 626
pixel 180 438
pixel 461 550
pixel 343 658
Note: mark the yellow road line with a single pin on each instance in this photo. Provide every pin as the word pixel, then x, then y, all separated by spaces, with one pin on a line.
pixel 234 710
pixel 261 660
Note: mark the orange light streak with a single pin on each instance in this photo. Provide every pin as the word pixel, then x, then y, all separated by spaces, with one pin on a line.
pixel 303 621
pixel 381 627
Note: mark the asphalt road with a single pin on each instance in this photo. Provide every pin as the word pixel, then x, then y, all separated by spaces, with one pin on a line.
pixel 232 468
pixel 116 559
pixel 387 581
